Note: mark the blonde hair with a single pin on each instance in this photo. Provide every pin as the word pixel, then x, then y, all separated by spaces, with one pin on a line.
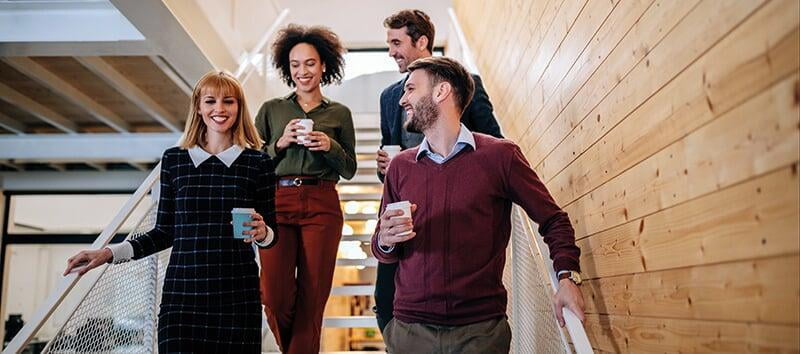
pixel 244 130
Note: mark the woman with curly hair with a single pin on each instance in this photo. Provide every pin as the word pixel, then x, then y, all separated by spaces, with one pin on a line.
pixel 297 273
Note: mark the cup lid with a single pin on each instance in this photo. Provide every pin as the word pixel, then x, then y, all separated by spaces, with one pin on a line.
pixel 242 210
pixel 401 204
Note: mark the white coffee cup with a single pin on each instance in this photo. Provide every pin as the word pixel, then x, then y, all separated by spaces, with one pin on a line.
pixel 405 206
pixel 391 150
pixel 308 126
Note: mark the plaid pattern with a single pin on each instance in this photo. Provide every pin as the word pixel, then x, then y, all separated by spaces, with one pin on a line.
pixel 211 288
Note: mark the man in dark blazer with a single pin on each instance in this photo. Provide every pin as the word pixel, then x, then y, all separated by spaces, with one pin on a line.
pixel 410 35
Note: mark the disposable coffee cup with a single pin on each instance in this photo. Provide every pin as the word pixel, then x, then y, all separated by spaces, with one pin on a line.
pixel 405 206
pixel 308 127
pixel 241 216
pixel 392 150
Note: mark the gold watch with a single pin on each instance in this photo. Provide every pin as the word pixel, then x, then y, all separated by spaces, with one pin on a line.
pixel 574 276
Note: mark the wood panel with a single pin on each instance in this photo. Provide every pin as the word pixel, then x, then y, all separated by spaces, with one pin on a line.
pixel 670 133
pixel 732 149
pixel 623 18
pixel 541 56
pixel 661 64
pixel 659 21
pixel 627 334
pixel 733 71
pixel 754 219
pixel 764 290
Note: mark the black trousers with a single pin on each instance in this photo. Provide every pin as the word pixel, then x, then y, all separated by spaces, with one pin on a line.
pixel 384 294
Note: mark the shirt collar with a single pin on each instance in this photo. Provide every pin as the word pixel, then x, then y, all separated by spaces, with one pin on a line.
pixel 292 96
pixel 227 157
pixel 464 137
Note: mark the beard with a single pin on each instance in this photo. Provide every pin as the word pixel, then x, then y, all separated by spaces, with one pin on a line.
pixel 425 114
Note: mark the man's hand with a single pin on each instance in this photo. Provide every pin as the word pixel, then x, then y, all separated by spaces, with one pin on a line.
pixel 569 296
pixel 383 161
pixel 392 225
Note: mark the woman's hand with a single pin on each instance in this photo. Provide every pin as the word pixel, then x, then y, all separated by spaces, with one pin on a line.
pixel 88 260
pixel 259 231
pixel 289 134
pixel 318 141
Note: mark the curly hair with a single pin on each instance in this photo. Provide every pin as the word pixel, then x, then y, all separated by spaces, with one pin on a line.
pixel 327 44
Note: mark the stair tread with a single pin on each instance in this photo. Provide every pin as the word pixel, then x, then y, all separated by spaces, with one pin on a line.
pixel 368 262
pixel 346 290
pixel 349 321
pixel 361 237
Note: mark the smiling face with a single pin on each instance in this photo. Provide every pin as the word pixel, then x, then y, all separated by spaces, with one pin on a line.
pixel 219 110
pixel 421 109
pixel 403 49
pixel 306 67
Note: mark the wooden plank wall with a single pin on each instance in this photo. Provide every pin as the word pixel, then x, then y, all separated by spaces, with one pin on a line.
pixel 669 131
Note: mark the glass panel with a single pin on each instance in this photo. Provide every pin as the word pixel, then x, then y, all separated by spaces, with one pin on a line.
pixel 69 214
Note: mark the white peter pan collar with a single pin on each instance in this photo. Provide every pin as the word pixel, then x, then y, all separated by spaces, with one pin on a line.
pixel 227 157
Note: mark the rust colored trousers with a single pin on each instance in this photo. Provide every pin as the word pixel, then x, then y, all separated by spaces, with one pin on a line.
pixel 297 273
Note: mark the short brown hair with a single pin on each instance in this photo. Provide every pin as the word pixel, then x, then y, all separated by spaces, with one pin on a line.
pixel 243 131
pixel 326 43
pixel 417 24
pixel 449 70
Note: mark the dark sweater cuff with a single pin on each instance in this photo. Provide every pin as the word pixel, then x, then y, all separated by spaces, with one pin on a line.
pixel 566 263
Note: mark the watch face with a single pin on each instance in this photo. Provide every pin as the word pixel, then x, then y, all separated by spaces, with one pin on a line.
pixel 576 277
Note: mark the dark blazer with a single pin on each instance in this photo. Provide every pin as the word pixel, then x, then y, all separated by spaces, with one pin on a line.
pixel 478 116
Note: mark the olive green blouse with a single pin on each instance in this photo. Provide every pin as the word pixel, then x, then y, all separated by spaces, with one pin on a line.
pixel 331 118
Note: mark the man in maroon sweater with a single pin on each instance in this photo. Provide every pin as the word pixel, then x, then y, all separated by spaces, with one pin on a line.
pixel 449 291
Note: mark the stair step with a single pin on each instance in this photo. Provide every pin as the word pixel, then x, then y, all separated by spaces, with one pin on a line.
pixel 369 262
pixel 371 164
pixel 359 196
pixel 362 179
pixel 365 149
pixel 362 238
pixel 370 135
pixel 349 322
pixel 360 216
pixel 352 290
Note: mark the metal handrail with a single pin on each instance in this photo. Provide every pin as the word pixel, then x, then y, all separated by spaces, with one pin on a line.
pixel 246 68
pixel 58 294
pixel 574 326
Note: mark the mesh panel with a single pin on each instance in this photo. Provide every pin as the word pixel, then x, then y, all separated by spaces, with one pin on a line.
pixel 530 313
pixel 119 313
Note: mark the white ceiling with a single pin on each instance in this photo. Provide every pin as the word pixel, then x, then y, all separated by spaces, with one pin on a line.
pixel 359 23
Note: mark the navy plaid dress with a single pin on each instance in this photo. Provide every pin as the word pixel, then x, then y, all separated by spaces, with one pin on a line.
pixel 210 301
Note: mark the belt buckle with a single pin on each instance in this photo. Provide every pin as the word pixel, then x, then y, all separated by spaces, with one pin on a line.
pixel 297 182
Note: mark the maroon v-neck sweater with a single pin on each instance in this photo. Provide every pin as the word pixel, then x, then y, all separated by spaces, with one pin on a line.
pixel 450 273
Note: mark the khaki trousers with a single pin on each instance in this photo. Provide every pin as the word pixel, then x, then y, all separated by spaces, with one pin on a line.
pixel 491 336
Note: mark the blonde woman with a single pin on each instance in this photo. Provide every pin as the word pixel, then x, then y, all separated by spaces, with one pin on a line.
pixel 210 299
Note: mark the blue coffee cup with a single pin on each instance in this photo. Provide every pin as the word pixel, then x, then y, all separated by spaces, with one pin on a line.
pixel 241 216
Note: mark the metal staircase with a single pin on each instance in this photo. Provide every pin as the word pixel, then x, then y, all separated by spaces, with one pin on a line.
pixel 364 189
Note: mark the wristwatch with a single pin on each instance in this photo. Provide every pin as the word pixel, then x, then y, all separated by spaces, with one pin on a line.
pixel 574 276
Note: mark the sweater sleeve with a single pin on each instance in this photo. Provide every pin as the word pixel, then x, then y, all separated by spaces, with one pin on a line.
pixel 265 198
pixel 342 154
pixel 389 196
pixel 262 125
pixel 530 193
pixel 162 235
